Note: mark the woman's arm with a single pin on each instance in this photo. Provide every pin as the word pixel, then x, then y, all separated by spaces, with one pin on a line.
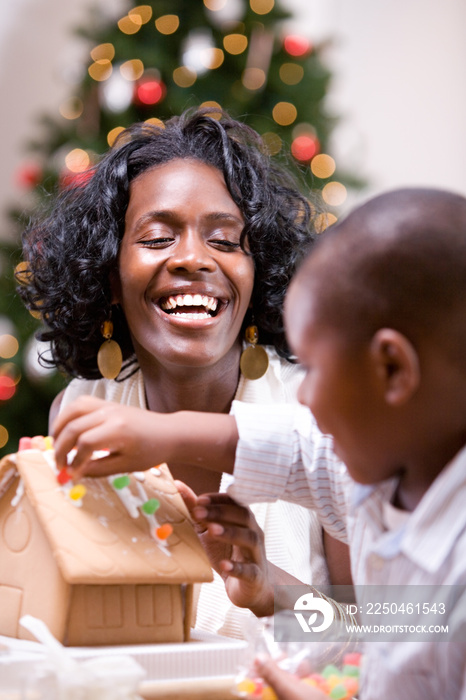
pixel 137 439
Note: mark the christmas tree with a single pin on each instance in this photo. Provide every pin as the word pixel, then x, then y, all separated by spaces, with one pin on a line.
pixel 155 61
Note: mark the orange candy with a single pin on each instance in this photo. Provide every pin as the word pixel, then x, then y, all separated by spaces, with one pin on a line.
pixel 164 531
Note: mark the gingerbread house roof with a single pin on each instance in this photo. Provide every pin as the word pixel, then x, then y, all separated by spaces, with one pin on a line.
pixel 105 537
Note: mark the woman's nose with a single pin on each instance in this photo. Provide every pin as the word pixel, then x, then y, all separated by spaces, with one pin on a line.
pixel 191 254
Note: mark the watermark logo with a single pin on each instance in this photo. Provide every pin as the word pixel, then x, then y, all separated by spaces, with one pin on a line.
pixel 308 604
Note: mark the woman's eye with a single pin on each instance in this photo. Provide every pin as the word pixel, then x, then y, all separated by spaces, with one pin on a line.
pixel 157 242
pixel 224 244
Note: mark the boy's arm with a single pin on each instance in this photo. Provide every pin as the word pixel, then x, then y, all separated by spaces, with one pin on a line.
pixel 281 454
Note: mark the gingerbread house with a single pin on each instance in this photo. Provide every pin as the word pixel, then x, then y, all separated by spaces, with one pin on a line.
pixel 107 563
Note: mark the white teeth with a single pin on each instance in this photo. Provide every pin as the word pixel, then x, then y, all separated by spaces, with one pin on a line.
pixel 209 303
pixel 185 314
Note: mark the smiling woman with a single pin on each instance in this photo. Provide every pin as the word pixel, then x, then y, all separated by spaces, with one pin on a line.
pixel 180 249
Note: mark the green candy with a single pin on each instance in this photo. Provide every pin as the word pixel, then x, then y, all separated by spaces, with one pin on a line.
pixel 121 481
pixel 350 670
pixel 150 506
pixel 338 692
pixel 331 670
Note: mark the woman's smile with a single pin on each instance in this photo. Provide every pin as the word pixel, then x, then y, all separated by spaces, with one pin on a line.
pixel 181 257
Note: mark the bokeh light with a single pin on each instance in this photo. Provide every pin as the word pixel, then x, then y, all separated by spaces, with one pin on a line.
pixel 184 76
pixel 72 108
pixel 100 70
pixel 77 160
pixel 253 78
pixel 150 91
pixel 7 387
pixel 213 58
pixel 304 147
pixel 141 14
pixel 261 7
pixel 215 5
pixel 284 113
pixel 323 221
pixel 235 43
pixel 4 436
pixel 213 105
pixel 132 69
pixel 167 24
pixel 155 121
pixel 130 24
pixel 297 45
pixel 103 52
pixel 323 166
pixel 291 73
pixel 9 346
pixel 334 193
pixel 272 143
pixel 113 134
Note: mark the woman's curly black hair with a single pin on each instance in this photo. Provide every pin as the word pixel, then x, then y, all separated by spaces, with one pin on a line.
pixel 72 252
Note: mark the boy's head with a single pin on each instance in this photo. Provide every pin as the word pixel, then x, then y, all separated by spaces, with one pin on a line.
pixel 377 314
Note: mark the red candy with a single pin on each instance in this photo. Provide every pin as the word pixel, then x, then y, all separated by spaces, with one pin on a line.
pixel 24 444
pixel 63 476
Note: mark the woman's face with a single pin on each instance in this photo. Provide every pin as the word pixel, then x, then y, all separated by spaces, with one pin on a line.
pixel 184 282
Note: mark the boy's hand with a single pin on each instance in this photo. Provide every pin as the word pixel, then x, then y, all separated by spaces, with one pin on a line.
pixel 234 543
pixel 285 685
pixel 90 424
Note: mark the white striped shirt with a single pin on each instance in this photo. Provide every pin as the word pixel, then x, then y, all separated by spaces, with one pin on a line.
pixel 281 453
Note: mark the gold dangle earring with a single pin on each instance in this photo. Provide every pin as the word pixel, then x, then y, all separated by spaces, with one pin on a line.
pixel 254 360
pixel 109 357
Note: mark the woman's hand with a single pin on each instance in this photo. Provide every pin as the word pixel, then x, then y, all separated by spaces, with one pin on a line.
pixel 285 685
pixel 234 543
pixel 137 439
pixel 90 424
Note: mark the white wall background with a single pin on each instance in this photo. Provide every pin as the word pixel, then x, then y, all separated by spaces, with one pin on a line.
pixel 400 83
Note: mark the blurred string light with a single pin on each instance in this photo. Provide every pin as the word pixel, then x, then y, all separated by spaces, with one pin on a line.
pixel 323 166
pixel 284 113
pixel 215 106
pixel 235 43
pixel 72 108
pixel 141 14
pixel 297 45
pixel 224 12
pixel 150 89
pixel 9 346
pixel 184 76
pixel 4 436
pixel 323 221
pixel 261 7
pixel 33 350
pixel 116 93
pixel 334 194
pixel 113 134
pixel 167 24
pixel 272 143
pixel 291 73
pixel 196 50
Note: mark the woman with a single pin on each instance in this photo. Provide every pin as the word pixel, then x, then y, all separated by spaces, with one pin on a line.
pixel 183 240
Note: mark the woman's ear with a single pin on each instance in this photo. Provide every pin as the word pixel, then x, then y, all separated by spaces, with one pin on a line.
pixel 397 365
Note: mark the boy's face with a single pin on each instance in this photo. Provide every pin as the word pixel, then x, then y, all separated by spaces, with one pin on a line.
pixel 340 389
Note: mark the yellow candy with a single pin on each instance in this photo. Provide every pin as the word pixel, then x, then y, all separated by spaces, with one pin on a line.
pixel 268 693
pixel 77 492
pixel 48 442
pixel 246 686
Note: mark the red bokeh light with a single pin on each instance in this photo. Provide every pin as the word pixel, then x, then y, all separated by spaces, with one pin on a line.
pixel 7 388
pixel 69 180
pixel 297 45
pixel 149 92
pixel 305 147
pixel 28 175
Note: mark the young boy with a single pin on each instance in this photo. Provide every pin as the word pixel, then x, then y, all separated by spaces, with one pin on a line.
pixel 377 315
